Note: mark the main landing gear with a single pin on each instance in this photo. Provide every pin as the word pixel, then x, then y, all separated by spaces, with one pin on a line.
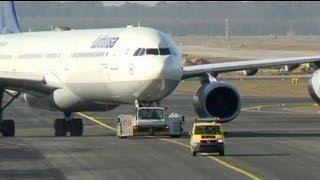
pixel 7 126
pixel 68 124
pixel 61 126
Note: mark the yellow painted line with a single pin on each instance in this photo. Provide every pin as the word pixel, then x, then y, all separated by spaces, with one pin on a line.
pixel 175 142
pixel 242 171
pixel 228 165
pixel 96 121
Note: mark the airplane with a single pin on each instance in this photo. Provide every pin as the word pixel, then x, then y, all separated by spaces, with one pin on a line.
pixel 99 69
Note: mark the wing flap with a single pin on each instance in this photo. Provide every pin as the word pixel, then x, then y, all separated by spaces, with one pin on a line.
pixel 198 70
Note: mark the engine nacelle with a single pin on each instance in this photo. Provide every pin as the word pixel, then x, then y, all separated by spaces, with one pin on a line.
pixel 314 86
pixel 217 99
pixel 250 72
pixel 60 99
pixel 39 102
pixel 64 100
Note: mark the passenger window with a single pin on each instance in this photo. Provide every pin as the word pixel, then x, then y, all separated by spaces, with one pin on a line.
pixel 153 51
pixel 164 51
pixel 137 52
pixel 142 52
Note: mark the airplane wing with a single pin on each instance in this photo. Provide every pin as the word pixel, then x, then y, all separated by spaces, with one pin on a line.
pixel 26 82
pixel 199 70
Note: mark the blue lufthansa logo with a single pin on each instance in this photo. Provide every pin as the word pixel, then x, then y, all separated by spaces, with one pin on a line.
pixel 104 41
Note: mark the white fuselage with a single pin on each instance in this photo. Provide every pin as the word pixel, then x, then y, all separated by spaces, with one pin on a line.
pixel 97 66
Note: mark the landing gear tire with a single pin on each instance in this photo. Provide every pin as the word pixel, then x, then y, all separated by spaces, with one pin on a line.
pixel 175 136
pixel 194 153
pixel 8 128
pixel 60 127
pixel 221 152
pixel 76 127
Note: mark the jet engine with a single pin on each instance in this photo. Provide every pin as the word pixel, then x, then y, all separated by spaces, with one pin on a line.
pixel 39 102
pixel 64 100
pixel 217 99
pixel 314 86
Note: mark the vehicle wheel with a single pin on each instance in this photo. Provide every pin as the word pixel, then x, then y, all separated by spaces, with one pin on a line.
pixel 76 127
pixel 175 136
pixel 8 128
pixel 60 127
pixel 194 153
pixel 221 152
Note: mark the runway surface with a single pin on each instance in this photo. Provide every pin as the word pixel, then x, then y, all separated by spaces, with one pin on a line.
pixel 270 143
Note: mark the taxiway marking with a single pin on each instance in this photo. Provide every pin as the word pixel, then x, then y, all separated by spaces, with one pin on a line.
pixel 97 121
pixel 220 161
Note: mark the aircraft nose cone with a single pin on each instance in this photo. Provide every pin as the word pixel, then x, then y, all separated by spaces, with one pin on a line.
pixel 171 70
pixel 166 75
pixel 165 68
pixel 157 89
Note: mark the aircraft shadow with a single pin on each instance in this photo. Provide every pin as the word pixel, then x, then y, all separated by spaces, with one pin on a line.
pixel 304 133
pixel 88 136
pixel 24 153
pixel 230 134
pixel 250 155
pixel 63 137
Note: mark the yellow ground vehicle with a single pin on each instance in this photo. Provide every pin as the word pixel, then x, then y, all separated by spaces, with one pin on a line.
pixel 206 136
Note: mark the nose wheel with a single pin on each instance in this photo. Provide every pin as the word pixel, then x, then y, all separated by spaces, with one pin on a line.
pixel 76 127
pixel 68 124
pixel 7 128
pixel 60 127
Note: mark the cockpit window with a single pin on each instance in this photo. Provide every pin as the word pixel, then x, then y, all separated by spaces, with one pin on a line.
pixel 142 52
pixel 137 52
pixel 164 51
pixel 153 51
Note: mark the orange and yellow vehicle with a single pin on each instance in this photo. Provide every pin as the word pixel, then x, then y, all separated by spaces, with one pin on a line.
pixel 206 136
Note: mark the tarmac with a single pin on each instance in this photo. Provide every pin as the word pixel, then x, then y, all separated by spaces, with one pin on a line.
pixel 271 142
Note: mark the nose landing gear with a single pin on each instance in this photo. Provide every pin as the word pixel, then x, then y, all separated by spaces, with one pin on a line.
pixel 68 124
pixel 7 128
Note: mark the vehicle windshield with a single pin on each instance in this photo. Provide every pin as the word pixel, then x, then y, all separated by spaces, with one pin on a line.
pixel 207 130
pixel 150 114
